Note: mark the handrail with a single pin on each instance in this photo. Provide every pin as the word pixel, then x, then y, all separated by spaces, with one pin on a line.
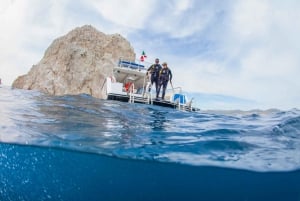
pixel 131 96
pixel 180 89
pixel 131 64
pixel 144 86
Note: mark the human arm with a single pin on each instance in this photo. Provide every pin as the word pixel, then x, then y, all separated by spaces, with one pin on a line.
pixel 170 74
pixel 149 70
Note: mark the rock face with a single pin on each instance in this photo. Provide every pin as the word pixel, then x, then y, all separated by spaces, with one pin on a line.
pixel 76 63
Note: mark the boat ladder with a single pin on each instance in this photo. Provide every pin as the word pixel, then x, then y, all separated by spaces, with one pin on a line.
pixel 131 94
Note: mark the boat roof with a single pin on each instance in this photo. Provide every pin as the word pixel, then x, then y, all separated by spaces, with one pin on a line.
pixel 130 71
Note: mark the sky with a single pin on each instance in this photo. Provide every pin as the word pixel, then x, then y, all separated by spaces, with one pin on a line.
pixel 246 49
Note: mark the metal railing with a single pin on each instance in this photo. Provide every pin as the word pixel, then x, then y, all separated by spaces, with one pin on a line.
pixel 133 64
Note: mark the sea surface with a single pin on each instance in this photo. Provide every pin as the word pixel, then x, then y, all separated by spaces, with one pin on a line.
pixel 83 148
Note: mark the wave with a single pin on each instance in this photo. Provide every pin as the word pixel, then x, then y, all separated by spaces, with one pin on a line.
pixel 253 140
pixel 290 127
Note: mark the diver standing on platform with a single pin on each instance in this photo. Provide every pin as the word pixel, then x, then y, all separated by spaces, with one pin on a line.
pixel 165 75
pixel 153 71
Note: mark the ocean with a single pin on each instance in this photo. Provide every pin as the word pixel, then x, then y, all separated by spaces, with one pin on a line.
pixel 77 147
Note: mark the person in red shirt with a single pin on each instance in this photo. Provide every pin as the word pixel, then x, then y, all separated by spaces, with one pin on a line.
pixel 127 86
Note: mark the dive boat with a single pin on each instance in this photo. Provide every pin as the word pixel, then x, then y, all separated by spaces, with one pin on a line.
pixel 131 84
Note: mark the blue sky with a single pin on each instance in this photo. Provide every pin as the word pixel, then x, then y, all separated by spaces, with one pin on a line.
pixel 247 49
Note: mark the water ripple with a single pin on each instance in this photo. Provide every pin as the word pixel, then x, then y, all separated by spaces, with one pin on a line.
pixel 254 140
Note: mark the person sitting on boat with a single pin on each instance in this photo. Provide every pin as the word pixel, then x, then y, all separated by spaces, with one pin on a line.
pixel 165 75
pixel 127 86
pixel 153 71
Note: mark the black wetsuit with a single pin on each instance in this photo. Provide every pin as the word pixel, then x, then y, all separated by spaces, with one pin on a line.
pixel 164 76
pixel 154 71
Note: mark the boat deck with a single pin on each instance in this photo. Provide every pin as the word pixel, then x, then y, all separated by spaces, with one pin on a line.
pixel 145 100
pixel 130 83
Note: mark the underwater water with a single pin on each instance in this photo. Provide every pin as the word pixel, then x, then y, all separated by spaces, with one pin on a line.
pixel 82 148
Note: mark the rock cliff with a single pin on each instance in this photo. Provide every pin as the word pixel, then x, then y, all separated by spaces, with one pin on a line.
pixel 76 63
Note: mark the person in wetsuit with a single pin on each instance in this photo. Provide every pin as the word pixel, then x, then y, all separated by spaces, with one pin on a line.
pixel 165 75
pixel 153 71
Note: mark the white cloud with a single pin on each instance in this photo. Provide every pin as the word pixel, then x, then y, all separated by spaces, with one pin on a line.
pixel 181 6
pixel 246 48
pixel 4 6
pixel 180 19
pixel 129 13
pixel 28 28
pixel 269 64
pixel 262 62
pixel 251 19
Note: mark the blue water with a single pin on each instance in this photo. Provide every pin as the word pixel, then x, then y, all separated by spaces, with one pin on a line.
pixel 82 148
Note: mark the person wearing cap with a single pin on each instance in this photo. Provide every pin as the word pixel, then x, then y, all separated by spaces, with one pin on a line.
pixel 165 75
pixel 153 71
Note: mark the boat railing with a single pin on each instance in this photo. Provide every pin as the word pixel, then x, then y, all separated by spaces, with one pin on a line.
pixel 177 90
pixel 131 64
pixel 181 101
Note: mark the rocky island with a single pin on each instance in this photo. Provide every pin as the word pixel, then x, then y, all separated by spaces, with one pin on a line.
pixel 77 63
